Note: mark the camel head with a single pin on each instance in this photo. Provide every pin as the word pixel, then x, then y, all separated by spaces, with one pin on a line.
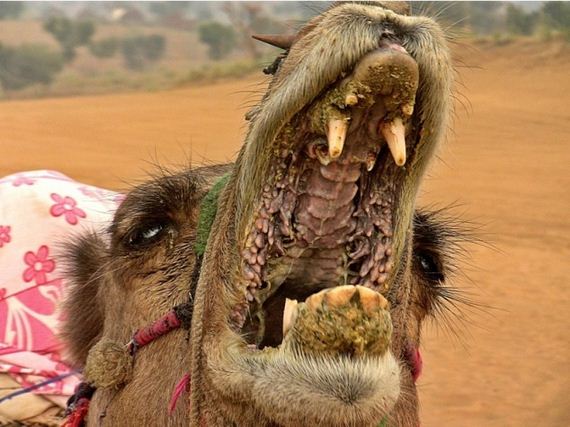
pixel 307 306
pixel 318 270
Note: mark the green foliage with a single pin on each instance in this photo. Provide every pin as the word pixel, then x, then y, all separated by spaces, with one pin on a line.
pixel 154 47
pixel 28 64
pixel 502 39
pixel 221 39
pixel 519 22
pixel 11 9
pixel 223 70
pixel 69 34
pixel 139 51
pixel 164 9
pixel 557 15
pixel 104 48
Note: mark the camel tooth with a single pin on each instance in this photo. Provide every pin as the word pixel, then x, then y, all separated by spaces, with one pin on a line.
pixel 395 135
pixel 408 109
pixel 339 296
pixel 370 161
pixel 289 314
pixel 323 157
pixel 351 99
pixel 371 301
pixel 336 135
pixel 315 301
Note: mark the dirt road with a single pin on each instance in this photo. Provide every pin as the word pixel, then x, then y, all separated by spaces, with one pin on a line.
pixel 506 165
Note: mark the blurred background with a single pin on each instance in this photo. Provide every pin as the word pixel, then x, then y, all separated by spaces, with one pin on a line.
pixel 105 91
pixel 71 48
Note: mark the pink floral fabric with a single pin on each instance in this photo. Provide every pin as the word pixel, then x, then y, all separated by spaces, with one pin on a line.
pixel 66 206
pixel 39 211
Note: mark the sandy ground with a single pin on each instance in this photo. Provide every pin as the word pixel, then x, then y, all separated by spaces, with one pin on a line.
pixel 506 165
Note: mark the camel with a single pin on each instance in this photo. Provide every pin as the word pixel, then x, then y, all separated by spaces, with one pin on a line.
pixel 288 288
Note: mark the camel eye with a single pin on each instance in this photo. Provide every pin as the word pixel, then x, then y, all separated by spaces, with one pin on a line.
pixel 430 266
pixel 146 235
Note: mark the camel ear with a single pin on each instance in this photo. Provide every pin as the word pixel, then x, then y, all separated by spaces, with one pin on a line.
pixel 282 41
pixel 82 310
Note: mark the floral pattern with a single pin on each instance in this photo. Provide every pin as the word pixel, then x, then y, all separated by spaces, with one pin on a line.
pixel 39 209
pixel 5 235
pixel 39 265
pixel 66 206
pixel 22 180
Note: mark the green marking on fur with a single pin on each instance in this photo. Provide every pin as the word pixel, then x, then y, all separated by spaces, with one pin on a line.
pixel 383 423
pixel 208 209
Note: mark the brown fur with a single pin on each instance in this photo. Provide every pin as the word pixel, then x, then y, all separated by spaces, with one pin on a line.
pixel 223 374
pixel 120 284
pixel 231 383
pixel 82 306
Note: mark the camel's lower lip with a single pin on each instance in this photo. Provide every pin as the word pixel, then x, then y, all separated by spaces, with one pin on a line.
pixel 325 215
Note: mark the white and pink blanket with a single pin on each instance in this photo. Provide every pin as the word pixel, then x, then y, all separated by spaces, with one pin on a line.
pixel 39 212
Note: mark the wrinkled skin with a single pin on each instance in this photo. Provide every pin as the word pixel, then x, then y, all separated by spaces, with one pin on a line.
pixel 364 277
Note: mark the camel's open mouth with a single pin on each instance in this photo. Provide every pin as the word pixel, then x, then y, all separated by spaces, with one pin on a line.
pixel 327 208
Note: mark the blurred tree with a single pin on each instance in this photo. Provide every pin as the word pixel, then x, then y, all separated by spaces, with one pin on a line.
pixel 69 34
pixel 154 47
pixel 302 10
pixel 483 17
pixel 519 22
pixel 249 18
pixel 221 39
pixel 165 9
pixel 28 64
pixel 11 9
pixel 202 10
pixel 557 15
pixel 139 51
pixel 104 48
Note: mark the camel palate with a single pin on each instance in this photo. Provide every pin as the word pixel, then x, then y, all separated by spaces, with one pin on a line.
pixel 319 269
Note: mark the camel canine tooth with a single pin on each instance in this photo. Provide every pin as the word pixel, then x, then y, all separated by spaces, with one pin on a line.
pixel 395 135
pixel 289 314
pixel 336 135
pixel 370 161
